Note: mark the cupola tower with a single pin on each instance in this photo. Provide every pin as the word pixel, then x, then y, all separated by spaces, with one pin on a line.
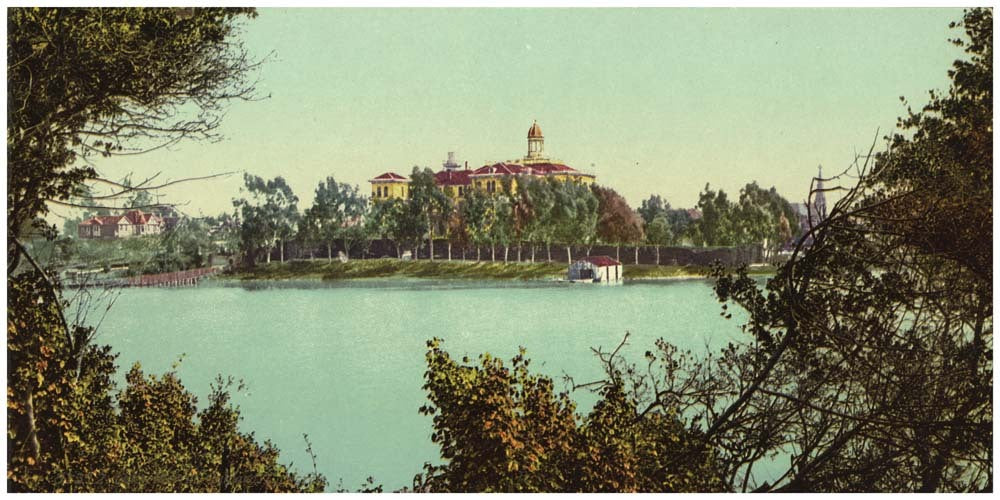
pixel 536 142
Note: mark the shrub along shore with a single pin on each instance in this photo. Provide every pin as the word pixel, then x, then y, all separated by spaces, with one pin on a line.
pixel 454 269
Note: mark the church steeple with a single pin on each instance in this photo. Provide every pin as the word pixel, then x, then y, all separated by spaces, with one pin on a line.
pixel 819 199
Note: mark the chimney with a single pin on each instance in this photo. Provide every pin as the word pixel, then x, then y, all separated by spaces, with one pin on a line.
pixel 466 164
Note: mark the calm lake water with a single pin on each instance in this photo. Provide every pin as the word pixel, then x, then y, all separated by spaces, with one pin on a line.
pixel 344 362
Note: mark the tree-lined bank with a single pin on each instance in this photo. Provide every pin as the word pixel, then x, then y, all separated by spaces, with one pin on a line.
pixel 395 268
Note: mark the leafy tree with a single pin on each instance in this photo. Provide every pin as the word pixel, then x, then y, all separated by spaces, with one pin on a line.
pixel 504 429
pixel 658 233
pixel 535 213
pixel 188 243
pixel 269 216
pixel 653 207
pixel 758 215
pixel 384 219
pixel 428 203
pixel 868 357
pixel 575 214
pixel 336 208
pixel 478 217
pixel 617 223
pixel 455 229
pixel 93 81
pixel 69 429
pixel 717 226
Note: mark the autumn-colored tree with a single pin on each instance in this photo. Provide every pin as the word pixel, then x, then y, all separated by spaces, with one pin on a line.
pixel 505 429
pixel 617 223
pixel 868 359
pixel 95 80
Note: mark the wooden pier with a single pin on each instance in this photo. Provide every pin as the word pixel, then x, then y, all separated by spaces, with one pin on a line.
pixel 172 279
pixel 176 278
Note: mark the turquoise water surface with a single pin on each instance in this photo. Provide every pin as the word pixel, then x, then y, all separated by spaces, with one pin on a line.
pixel 344 362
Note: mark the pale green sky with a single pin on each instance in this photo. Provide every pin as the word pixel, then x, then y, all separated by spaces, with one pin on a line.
pixel 657 100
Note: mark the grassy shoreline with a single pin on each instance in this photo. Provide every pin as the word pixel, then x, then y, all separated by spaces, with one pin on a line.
pixel 484 270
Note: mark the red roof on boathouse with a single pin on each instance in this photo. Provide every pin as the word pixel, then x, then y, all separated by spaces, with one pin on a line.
pixel 602 261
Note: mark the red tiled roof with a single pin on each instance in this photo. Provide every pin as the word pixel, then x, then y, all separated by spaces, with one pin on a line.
pixel 601 260
pixel 452 178
pixel 694 213
pixel 551 168
pixel 137 217
pixel 390 176
pixel 534 131
pixel 102 220
pixel 499 169
pixel 132 217
pixel 530 169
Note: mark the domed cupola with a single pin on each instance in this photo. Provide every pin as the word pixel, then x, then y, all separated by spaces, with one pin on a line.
pixel 536 142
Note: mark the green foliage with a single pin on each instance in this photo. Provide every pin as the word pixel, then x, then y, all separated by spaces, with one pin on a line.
pixel 384 220
pixel 504 429
pixel 868 358
pixel 390 267
pixel 755 219
pixel 334 214
pixel 664 225
pixel 533 204
pixel 95 81
pixel 716 227
pixel 91 81
pixel 658 232
pixel 268 218
pixel 66 433
pixel 759 214
pixel 575 213
pixel 428 208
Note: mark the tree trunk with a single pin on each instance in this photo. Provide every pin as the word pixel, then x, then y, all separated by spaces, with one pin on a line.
pixel 569 255
pixel 329 251
pixel 657 254
pixel 519 253
pixel 493 253
pixel 269 254
pixel 430 231
pixel 449 251
pixel 506 248
pixel 36 449
pixel 281 251
pixel 637 254
pixel 618 250
pixel 532 253
pixel 477 253
pixel 548 247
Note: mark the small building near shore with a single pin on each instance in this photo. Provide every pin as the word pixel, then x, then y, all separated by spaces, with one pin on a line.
pixel 597 268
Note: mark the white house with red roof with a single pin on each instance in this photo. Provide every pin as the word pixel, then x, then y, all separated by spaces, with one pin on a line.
pixel 127 225
pixel 596 269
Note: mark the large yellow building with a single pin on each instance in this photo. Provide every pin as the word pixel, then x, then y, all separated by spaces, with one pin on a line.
pixel 456 181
